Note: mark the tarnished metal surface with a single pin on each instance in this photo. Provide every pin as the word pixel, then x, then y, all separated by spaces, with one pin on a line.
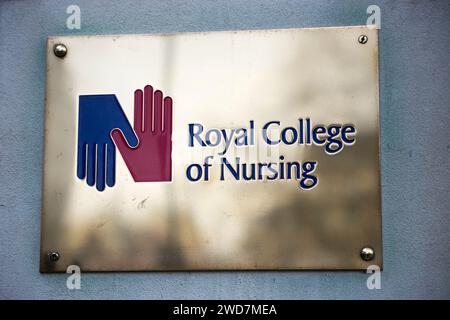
pixel 221 80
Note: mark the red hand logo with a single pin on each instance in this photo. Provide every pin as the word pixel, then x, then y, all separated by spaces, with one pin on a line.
pixel 151 160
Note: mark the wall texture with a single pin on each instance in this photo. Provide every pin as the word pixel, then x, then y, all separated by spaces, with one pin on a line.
pixel 415 152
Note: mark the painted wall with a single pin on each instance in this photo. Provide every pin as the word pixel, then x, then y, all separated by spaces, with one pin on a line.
pixel 415 114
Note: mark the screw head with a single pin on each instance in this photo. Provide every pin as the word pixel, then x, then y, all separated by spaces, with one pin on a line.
pixel 363 39
pixel 367 253
pixel 60 50
pixel 54 256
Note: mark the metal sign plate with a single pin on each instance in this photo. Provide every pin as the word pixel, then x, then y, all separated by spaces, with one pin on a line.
pixel 208 151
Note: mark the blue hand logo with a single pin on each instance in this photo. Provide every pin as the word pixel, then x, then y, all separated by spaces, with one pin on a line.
pixel 98 115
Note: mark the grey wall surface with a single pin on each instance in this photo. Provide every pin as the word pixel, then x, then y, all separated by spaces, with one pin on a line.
pixel 415 147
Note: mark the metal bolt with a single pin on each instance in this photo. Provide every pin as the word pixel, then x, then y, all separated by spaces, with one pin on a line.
pixel 367 253
pixel 363 39
pixel 54 256
pixel 60 50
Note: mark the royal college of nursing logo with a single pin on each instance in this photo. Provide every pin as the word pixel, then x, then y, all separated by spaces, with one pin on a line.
pixel 146 148
pixel 240 150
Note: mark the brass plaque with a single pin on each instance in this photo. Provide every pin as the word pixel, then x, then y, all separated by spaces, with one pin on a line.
pixel 212 151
